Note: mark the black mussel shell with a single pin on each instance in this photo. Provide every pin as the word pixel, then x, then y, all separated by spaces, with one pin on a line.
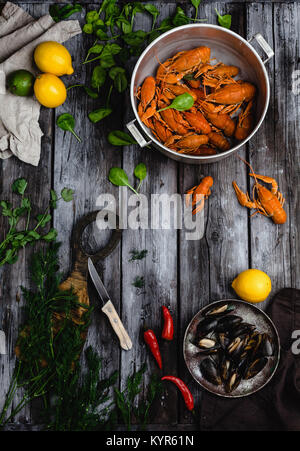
pixel 210 371
pixel 224 368
pixel 266 348
pixel 205 326
pixel 232 382
pixel 226 323
pixel 243 365
pixel 241 329
pixel 255 367
pixel 207 346
pixel 224 340
pixel 220 310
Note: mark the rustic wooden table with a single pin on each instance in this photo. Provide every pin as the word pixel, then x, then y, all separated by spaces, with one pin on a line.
pixel 182 274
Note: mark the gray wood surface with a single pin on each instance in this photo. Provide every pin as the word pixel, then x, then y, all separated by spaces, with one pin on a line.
pixel 182 274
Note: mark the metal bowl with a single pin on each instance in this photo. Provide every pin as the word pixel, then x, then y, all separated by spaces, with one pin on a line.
pixel 226 46
pixel 250 314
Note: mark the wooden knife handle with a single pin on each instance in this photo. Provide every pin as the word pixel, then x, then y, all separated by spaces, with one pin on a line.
pixel 117 325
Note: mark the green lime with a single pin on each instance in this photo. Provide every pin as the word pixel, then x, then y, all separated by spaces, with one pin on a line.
pixel 21 83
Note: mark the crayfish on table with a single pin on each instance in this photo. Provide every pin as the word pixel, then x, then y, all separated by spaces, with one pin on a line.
pixel 266 202
pixel 199 193
pixel 217 98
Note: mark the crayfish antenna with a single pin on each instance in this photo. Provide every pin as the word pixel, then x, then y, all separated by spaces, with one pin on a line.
pixel 248 164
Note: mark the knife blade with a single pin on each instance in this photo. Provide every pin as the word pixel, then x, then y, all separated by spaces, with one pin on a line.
pixel 109 309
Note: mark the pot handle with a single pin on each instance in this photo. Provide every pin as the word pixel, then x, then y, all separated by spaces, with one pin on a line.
pixel 137 134
pixel 264 45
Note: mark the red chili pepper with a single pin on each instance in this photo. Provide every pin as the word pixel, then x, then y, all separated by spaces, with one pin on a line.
pixel 151 340
pixel 187 395
pixel 168 330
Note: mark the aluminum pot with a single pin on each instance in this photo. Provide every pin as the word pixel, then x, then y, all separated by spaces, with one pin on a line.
pixel 226 46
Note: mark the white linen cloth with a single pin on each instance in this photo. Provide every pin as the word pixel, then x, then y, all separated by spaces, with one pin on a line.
pixel 20 133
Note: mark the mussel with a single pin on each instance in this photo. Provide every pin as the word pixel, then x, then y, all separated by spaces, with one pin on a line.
pixel 210 371
pixel 205 326
pixel 256 367
pixel 233 381
pixel 220 310
pixel 225 368
pixel 266 348
pixel 207 346
pixel 227 322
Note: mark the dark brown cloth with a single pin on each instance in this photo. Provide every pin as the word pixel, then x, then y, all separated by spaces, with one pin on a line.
pixel 277 406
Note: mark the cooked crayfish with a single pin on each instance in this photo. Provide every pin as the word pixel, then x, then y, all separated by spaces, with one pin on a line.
pixel 199 193
pixel 217 97
pixel 266 202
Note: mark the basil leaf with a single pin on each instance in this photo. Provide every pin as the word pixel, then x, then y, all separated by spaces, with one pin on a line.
pixel 102 35
pixel 224 21
pixel 111 49
pixel 98 115
pixel 95 49
pixel 19 186
pixel 182 102
pixel 107 62
pixel 90 92
pixel 98 77
pixel 118 177
pixel 88 28
pixel 135 38
pixel 91 16
pixel 151 9
pixel 180 18
pixel 196 4
pixel 118 74
pixel 67 194
pixel 67 123
pixel 119 138
pixel 66 11
pixel 140 171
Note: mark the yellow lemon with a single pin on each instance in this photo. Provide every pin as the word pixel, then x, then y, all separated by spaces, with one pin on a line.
pixel 53 58
pixel 252 285
pixel 49 90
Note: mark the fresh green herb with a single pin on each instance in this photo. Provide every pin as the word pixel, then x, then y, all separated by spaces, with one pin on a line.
pixel 138 255
pixel 118 75
pixel 180 18
pixel 196 4
pixel 141 173
pixel 48 348
pixel 139 282
pixel 151 9
pixel 119 138
pixel 89 91
pixel 224 21
pixel 98 77
pixel 182 102
pixel 97 115
pixel 118 177
pixel 67 123
pixel 125 401
pixel 64 12
pixel 17 238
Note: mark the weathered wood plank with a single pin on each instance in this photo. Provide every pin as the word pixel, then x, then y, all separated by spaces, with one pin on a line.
pixel 287 145
pixel 208 266
pixel 84 167
pixel 159 268
pixel 12 277
pixel 270 244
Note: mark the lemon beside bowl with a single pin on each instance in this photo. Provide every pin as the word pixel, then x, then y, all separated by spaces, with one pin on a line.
pixel 252 285
pixel 52 57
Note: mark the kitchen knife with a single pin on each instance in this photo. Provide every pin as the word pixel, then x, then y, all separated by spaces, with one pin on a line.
pixel 109 309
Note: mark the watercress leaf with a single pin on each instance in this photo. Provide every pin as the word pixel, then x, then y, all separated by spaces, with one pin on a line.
pixel 91 16
pixel 18 212
pixel 54 199
pixel 124 25
pixel 88 28
pixel 98 77
pixel 180 18
pixel 151 9
pixel 96 49
pixel 102 35
pixel 224 21
pixel 34 234
pixel 119 138
pixel 66 11
pixel 90 92
pixel 19 186
pixel 111 49
pixel 140 171
pixel 115 71
pixel 67 194
pixel 135 38
pixel 98 115
pixel 196 3
pixel 166 23
pixel 50 236
pixel 107 62
pixel 119 76
pixel 6 208
pixel 43 220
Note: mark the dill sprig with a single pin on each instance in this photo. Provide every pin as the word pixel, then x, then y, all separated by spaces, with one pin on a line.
pixel 138 255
